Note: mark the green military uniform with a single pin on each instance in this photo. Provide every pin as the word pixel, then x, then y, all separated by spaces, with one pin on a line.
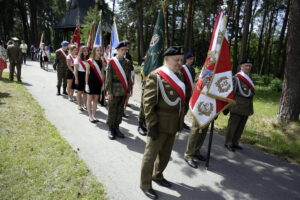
pixel 141 113
pixel 15 60
pixel 239 112
pixel 61 66
pixel 163 121
pixel 195 141
pixel 115 88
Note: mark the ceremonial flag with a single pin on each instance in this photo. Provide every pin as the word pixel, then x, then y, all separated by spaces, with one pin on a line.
pixel 90 42
pixel 154 54
pixel 214 90
pixel 76 36
pixel 114 39
pixel 98 38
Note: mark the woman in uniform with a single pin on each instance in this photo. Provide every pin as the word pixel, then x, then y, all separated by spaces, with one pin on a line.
pixel 79 76
pixel 164 106
pixel 94 82
pixel 70 71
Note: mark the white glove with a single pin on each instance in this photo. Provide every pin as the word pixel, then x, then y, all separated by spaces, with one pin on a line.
pixel 87 88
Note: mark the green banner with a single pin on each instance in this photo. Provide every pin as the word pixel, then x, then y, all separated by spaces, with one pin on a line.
pixel 156 48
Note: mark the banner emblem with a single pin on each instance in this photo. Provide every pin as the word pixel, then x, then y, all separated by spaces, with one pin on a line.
pixel 223 85
pixel 205 108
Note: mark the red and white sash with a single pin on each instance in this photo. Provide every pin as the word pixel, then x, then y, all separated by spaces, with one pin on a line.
pixel 63 53
pixel 81 63
pixel 173 80
pixel 96 69
pixel 71 58
pixel 188 76
pixel 246 79
pixel 119 71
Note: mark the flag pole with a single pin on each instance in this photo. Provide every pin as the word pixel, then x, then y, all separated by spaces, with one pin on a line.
pixel 113 19
pixel 210 143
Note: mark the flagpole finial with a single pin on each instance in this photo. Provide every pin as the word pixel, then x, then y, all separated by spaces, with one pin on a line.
pixel 224 6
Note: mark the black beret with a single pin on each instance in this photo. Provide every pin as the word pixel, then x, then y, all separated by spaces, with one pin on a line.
pixel 189 55
pixel 173 50
pixel 247 60
pixel 121 44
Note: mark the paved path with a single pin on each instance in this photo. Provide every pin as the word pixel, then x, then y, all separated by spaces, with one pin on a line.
pixel 247 174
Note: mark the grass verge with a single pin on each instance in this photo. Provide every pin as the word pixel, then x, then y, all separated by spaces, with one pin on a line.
pixel 36 162
pixel 264 131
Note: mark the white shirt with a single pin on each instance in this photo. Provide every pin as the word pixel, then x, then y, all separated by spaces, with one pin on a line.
pixel 80 68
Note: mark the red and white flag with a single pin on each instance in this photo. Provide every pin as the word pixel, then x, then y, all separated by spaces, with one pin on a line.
pixel 214 90
pixel 91 36
pixel 76 37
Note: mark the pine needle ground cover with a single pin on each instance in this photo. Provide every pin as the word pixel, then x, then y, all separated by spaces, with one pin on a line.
pixel 264 131
pixel 35 161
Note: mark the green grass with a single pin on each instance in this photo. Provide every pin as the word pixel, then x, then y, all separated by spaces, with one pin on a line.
pixel 36 162
pixel 264 131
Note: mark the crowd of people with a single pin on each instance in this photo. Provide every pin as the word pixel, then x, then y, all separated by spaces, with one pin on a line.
pixel 95 76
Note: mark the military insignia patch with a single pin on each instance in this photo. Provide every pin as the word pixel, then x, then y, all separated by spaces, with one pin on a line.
pixel 222 84
pixel 205 108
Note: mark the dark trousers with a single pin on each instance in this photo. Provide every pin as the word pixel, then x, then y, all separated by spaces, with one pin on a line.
pixel 61 78
pixel 41 62
pixel 236 125
pixel 32 56
pixel 12 70
pixel 142 114
pixel 24 55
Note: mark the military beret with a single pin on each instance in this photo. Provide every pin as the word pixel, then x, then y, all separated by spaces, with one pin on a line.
pixel 121 44
pixel 173 50
pixel 64 43
pixel 189 55
pixel 15 39
pixel 248 60
pixel 82 43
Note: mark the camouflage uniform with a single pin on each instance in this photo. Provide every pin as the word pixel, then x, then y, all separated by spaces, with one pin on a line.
pixel 115 88
pixel 61 66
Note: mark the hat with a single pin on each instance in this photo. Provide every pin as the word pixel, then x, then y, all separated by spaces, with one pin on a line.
pixel 65 43
pixel 121 44
pixel 189 55
pixel 173 50
pixel 15 39
pixel 247 60
pixel 82 43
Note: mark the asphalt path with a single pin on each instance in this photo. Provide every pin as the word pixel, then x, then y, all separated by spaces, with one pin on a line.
pixel 246 174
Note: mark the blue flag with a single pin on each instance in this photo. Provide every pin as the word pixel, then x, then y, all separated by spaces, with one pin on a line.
pixel 114 39
pixel 98 38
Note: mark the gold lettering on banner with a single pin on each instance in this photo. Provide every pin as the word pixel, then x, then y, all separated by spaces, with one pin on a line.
pixel 222 84
pixel 205 108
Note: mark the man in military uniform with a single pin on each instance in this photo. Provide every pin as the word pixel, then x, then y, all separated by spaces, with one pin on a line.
pixel 239 113
pixel 61 66
pixel 14 55
pixel 164 103
pixel 197 136
pixel 118 87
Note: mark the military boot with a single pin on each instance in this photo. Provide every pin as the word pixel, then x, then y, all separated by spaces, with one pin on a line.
pixel 58 91
pixel 118 132
pixel 111 133
pixel 142 129
pixel 65 91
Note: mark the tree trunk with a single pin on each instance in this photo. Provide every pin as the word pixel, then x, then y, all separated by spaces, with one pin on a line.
pixel 236 35
pixel 172 39
pixel 248 11
pixel 189 27
pixel 252 24
pixel 280 49
pixel 33 21
pixel 24 19
pixel 140 11
pixel 260 41
pixel 289 109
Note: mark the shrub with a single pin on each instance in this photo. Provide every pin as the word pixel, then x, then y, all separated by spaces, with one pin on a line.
pixel 276 84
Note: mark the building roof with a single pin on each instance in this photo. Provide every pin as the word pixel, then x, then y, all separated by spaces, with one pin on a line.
pixel 77 12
